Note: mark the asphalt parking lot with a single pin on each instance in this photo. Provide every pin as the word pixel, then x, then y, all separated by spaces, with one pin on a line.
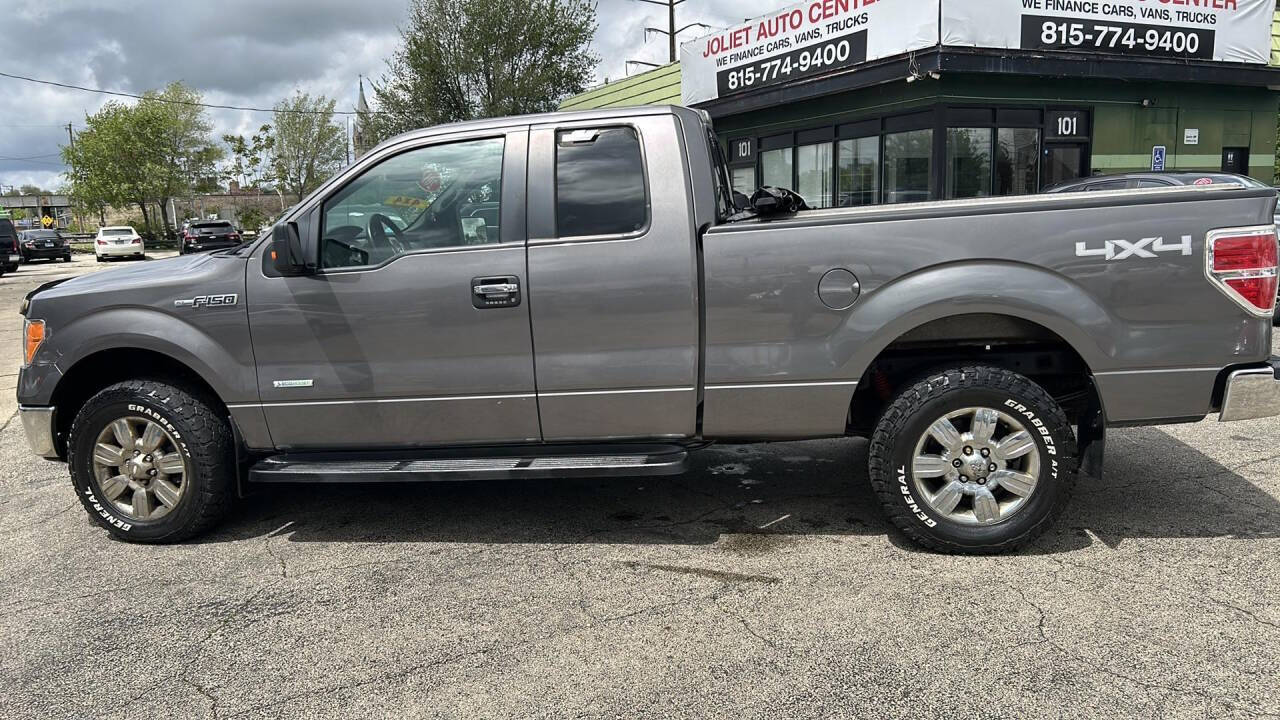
pixel 764 584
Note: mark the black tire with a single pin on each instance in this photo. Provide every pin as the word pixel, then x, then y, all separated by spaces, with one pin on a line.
pixel 909 417
pixel 202 437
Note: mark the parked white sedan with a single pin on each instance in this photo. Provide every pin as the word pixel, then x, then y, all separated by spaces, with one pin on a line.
pixel 118 241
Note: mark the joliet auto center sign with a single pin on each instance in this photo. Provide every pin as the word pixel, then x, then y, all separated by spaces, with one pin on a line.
pixel 818 37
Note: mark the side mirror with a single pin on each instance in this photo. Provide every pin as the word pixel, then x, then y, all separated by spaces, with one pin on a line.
pixel 287 253
pixel 770 200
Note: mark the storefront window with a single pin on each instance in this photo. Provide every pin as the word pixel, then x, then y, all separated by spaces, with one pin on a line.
pixel 744 180
pixel 968 162
pixel 813 181
pixel 775 167
pixel 908 165
pixel 859 171
pixel 1017 161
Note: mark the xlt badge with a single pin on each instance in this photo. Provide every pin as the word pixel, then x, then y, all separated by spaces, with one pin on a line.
pixel 200 301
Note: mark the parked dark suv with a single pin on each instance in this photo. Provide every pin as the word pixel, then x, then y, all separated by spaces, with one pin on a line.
pixel 43 245
pixel 204 235
pixel 9 255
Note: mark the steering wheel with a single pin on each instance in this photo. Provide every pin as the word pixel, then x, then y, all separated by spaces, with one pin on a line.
pixel 384 235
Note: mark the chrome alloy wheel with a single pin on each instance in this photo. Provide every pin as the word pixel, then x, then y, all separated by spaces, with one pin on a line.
pixel 139 468
pixel 979 473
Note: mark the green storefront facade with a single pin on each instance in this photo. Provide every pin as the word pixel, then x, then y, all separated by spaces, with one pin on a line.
pixel 975 122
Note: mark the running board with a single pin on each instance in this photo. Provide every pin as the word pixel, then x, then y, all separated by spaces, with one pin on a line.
pixel 505 464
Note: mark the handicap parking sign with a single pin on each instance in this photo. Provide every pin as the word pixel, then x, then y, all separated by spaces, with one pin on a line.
pixel 1157 158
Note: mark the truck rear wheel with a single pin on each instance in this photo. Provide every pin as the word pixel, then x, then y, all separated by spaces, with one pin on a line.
pixel 151 462
pixel 974 460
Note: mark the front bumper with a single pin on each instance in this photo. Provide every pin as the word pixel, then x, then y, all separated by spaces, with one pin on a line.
pixel 38 422
pixel 1252 393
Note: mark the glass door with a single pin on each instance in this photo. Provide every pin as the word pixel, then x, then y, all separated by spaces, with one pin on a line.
pixel 1063 163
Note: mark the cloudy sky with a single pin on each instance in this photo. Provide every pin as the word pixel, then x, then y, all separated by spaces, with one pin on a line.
pixel 238 52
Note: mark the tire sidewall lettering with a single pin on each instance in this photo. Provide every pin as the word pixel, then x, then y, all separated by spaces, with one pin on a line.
pixel 1039 430
pixel 164 422
pixel 915 507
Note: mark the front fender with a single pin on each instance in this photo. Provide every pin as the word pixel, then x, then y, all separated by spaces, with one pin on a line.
pixel 217 349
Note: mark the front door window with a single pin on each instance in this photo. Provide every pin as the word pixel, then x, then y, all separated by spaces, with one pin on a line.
pixel 432 197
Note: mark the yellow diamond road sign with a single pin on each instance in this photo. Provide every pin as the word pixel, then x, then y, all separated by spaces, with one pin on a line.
pixel 46 221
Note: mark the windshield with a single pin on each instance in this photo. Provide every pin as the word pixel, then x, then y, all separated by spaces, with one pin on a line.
pixel 117 231
pixel 1251 182
pixel 211 226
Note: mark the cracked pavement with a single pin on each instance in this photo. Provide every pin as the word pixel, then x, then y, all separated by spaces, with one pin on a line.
pixel 763 584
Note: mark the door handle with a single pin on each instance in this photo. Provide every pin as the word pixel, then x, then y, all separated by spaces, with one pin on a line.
pixel 495 289
pixel 495 292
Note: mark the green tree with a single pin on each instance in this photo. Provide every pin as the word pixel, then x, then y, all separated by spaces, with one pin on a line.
pixel 143 154
pixel 307 145
pixel 251 218
pixel 251 158
pixel 184 156
pixel 111 161
pixel 466 59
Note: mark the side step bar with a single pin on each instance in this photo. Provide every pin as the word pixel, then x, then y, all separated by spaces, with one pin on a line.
pixel 480 464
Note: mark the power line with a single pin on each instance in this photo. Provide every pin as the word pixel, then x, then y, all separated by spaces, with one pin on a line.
pixel 33 162
pixel 171 101
pixel 32 157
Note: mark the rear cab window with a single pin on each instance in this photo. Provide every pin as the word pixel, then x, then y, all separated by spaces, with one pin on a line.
pixel 600 183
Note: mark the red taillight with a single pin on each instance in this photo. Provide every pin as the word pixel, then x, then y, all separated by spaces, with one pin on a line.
pixel 137 240
pixel 1242 262
pixel 234 236
pixel 101 241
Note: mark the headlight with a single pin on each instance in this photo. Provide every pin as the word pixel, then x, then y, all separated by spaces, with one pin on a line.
pixel 34 331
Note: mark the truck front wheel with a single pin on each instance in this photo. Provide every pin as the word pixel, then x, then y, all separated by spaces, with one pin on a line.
pixel 151 462
pixel 975 460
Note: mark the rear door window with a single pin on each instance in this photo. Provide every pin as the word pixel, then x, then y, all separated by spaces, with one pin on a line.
pixel 600 183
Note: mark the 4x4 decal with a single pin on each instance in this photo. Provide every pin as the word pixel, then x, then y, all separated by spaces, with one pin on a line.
pixel 1122 249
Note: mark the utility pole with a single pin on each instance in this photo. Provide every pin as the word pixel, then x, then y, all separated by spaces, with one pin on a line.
pixel 672 31
pixel 71 138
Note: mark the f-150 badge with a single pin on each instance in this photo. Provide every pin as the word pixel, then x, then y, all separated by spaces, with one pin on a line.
pixel 200 301
pixel 1144 248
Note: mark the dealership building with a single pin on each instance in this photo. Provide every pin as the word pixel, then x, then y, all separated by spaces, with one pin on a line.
pixel 855 102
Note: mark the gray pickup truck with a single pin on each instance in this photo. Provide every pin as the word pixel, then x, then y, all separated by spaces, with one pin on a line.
pixel 577 294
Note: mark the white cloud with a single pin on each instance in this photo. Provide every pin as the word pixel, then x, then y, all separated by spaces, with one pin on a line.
pixel 240 52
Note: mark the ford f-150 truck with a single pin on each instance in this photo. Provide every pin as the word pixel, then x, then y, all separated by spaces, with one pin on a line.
pixel 579 294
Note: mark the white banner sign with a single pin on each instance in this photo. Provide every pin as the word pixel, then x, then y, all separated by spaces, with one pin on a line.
pixel 811 38
pixel 1227 30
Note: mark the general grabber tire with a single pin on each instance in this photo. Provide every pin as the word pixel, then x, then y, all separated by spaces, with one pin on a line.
pixel 975 460
pixel 151 462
